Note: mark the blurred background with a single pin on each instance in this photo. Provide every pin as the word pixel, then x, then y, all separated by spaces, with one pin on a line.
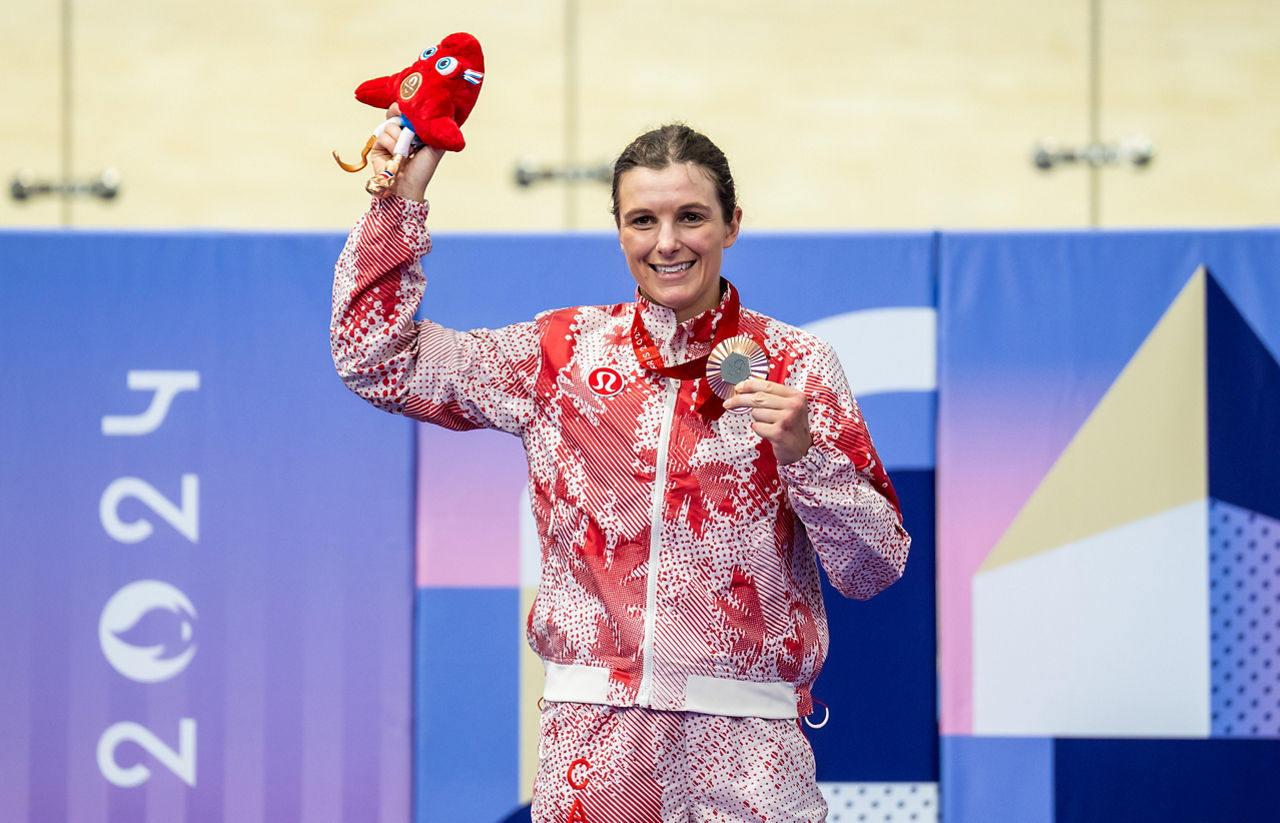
pixel 869 113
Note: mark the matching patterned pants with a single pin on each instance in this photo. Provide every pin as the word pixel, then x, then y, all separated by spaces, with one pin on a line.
pixel 602 764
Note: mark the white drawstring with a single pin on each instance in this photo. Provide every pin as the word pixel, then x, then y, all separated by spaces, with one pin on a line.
pixel 547 715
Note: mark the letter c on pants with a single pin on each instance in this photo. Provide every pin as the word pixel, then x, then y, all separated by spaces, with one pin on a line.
pixel 570 776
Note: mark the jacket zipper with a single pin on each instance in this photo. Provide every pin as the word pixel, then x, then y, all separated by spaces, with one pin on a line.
pixel 644 696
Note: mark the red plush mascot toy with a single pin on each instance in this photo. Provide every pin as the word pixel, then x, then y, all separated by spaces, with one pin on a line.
pixel 436 95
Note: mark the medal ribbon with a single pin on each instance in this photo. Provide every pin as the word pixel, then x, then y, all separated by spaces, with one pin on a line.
pixel 707 402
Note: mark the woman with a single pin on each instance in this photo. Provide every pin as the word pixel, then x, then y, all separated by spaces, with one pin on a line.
pixel 671 694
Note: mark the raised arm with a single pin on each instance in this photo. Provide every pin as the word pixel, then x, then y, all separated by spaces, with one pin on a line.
pixel 461 380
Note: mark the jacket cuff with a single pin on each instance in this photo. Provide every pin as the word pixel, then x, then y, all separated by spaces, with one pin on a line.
pixel 394 216
pixel 814 464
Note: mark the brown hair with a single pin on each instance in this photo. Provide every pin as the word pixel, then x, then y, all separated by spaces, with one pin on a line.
pixel 677 143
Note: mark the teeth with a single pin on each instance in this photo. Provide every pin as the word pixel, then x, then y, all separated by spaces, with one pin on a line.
pixel 675 268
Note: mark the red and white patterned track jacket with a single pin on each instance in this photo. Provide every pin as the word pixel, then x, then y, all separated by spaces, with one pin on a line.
pixel 678 558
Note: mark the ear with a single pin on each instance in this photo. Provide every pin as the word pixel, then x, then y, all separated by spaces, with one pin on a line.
pixel 731 228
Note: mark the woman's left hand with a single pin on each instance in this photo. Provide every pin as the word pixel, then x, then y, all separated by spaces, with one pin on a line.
pixel 779 414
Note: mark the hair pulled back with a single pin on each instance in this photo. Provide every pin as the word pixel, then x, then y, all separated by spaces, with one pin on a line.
pixel 673 144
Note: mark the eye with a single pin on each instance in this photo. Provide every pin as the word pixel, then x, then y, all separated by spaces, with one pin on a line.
pixel 446 65
pixel 691 217
pixel 428 52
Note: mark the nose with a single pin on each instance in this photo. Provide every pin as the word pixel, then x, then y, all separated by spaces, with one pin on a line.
pixel 668 239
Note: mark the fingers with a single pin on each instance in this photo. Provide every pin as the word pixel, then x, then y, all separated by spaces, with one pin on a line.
pixel 770 404
pixel 767 387
pixel 393 130
pixel 764 415
pixel 762 394
pixel 390 133
pixel 779 414
pixel 386 143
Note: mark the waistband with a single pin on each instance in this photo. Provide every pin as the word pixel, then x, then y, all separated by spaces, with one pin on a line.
pixel 705 695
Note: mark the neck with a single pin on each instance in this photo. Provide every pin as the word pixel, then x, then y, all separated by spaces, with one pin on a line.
pixel 692 311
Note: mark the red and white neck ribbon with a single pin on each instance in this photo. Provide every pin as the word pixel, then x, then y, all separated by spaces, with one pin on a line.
pixel 706 401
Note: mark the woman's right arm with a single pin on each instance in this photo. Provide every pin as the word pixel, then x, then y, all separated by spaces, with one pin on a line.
pixel 461 380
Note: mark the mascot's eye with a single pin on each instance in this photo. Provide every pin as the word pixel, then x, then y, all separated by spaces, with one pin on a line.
pixel 428 52
pixel 446 65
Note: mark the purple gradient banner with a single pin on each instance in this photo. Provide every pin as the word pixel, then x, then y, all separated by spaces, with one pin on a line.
pixel 205 578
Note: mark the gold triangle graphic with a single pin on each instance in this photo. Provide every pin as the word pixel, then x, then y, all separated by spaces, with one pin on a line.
pixel 1142 450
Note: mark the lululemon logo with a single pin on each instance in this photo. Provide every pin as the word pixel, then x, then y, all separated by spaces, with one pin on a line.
pixel 605 381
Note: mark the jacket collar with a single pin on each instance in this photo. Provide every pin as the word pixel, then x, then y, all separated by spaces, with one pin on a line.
pixel 693 336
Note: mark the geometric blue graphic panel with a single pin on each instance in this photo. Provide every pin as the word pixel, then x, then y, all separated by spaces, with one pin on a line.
pixel 1244 586
pixel 468 657
pixel 1243 388
pixel 892 715
pixel 1170 781
pixel 998 779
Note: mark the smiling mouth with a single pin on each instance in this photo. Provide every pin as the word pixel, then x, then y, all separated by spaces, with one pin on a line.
pixel 678 267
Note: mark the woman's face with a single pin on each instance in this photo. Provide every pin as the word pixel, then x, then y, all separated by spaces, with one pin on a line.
pixel 673 235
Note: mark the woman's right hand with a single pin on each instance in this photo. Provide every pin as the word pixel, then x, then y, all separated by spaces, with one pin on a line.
pixel 415 172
